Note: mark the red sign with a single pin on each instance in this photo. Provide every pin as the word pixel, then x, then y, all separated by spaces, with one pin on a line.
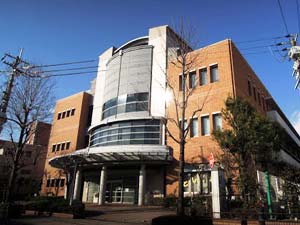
pixel 211 160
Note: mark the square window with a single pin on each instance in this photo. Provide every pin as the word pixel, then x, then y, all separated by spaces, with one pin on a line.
pixel 194 127
pixel 63 146
pixel 217 121
pixel 57 147
pixel 63 115
pixel 52 183
pixel 57 182
pixel 48 183
pixel 192 79
pixel 68 145
pixel 62 182
pixel 214 73
pixel 72 112
pixel 68 113
pixel 203 77
pixel 205 127
pixel 59 116
pixel 53 148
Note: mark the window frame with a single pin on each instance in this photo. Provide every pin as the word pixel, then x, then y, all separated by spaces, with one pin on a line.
pixel 193 84
pixel 192 134
pixel 211 68
pixel 202 125
pixel 200 76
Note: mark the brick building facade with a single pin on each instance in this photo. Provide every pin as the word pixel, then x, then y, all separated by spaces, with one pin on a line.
pixel 129 157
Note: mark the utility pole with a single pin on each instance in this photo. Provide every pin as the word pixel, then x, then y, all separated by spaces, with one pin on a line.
pixel 7 92
pixel 294 54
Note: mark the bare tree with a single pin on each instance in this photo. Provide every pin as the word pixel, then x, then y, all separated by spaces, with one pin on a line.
pixel 31 101
pixel 182 61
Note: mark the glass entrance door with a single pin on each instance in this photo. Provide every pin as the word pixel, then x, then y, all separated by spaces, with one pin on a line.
pixel 120 191
pixel 114 191
pixel 117 192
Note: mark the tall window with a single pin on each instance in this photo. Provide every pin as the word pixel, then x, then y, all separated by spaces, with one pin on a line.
pixel 53 148
pixel 214 73
pixel 258 97
pixel 203 77
pixel 249 88
pixel 194 127
pixel 180 82
pixel 254 93
pixel 185 124
pixel 192 79
pixel 205 128
pixel 217 121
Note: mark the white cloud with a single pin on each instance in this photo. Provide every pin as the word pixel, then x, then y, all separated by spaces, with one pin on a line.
pixel 295 119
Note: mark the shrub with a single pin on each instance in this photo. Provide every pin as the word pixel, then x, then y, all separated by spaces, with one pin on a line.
pixel 11 210
pixel 56 204
pixel 170 201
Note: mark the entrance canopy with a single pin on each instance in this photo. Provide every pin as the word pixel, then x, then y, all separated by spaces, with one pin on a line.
pixel 123 154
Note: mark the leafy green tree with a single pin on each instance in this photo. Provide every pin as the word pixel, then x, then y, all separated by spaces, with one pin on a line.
pixel 252 139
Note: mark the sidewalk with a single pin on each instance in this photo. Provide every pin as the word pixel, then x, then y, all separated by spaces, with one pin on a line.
pixel 106 215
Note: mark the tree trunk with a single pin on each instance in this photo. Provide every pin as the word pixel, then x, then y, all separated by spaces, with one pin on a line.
pixel 180 205
pixel 10 185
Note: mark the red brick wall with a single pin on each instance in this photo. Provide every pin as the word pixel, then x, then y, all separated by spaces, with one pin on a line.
pixel 72 129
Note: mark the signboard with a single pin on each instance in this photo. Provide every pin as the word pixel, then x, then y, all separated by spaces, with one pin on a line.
pixel 211 160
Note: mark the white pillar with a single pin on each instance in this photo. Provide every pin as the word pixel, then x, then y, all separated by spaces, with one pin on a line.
pixel 215 195
pixel 67 185
pixel 77 186
pixel 142 185
pixel 102 185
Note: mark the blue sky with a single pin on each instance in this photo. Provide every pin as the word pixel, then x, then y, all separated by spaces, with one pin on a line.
pixel 59 31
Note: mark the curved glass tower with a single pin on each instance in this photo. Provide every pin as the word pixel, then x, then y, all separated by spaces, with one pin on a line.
pixel 126 157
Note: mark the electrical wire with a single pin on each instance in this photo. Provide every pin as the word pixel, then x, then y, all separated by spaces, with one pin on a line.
pixel 282 16
pixel 76 68
pixel 261 46
pixel 66 63
pixel 261 39
pixel 67 74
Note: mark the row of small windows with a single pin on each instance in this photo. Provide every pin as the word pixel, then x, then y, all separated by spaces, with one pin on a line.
pixel 205 124
pixel 203 77
pixel 68 113
pixel 125 103
pixel 125 133
pixel 258 97
pixel 61 146
pixel 55 183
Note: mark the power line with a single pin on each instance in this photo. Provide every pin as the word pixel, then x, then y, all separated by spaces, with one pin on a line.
pixel 262 46
pixel 282 16
pixel 262 39
pixel 66 63
pixel 68 74
pixel 76 68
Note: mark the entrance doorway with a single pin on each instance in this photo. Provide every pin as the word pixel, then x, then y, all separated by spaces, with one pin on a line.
pixel 121 191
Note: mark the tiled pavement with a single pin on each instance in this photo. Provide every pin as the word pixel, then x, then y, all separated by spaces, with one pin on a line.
pixel 107 215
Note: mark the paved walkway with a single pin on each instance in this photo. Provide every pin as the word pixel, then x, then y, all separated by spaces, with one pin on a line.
pixel 102 215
